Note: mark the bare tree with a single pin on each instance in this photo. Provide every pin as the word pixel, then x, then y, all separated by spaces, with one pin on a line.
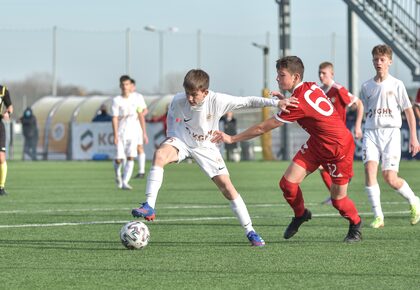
pixel 37 85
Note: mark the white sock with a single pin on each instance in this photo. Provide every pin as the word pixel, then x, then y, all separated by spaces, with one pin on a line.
pixel 142 162
pixel 154 182
pixel 128 171
pixel 117 169
pixel 239 209
pixel 407 193
pixel 374 195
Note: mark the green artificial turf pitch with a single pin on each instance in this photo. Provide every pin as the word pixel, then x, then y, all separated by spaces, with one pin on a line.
pixel 59 229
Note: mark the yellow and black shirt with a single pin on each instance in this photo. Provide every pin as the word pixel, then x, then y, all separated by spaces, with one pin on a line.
pixel 5 101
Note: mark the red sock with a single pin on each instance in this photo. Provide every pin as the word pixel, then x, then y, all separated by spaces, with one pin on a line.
pixel 326 178
pixel 293 195
pixel 347 209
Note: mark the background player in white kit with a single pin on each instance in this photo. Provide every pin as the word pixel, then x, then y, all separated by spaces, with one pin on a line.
pixel 193 117
pixel 384 97
pixel 142 135
pixel 126 112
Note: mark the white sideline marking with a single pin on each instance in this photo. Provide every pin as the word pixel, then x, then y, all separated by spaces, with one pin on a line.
pixel 17 211
pixel 171 220
pixel 112 222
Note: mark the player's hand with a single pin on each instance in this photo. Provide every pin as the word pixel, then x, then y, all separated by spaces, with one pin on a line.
pixel 6 116
pixel 414 147
pixel 358 133
pixel 278 95
pixel 219 136
pixel 115 140
pixel 145 139
pixel 290 102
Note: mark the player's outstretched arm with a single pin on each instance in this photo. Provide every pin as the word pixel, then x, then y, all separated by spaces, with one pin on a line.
pixel 278 95
pixel 142 121
pixel 411 120
pixel 283 102
pixel 291 102
pixel 249 133
pixel 115 129
pixel 226 103
pixel 359 117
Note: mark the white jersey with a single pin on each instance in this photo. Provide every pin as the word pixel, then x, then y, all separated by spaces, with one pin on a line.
pixel 384 102
pixel 196 125
pixel 126 109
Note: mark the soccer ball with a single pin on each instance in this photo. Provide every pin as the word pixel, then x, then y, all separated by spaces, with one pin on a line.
pixel 134 235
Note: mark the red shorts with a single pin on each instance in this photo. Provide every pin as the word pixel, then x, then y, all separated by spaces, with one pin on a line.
pixel 339 168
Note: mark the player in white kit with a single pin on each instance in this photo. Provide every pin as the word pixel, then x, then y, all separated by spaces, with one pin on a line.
pixel 142 135
pixel 126 111
pixel 193 117
pixel 384 98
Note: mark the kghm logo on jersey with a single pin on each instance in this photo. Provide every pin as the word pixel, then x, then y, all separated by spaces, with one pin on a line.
pixel 200 137
pixel 381 112
pixel 389 94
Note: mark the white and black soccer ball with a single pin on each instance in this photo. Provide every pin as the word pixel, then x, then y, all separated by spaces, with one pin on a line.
pixel 134 235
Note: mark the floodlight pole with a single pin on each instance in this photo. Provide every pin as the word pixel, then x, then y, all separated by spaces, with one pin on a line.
pixel 161 77
pixel 54 61
pixel 266 50
pixel 161 33
pixel 284 50
pixel 199 48
pixel 266 142
pixel 127 50
pixel 353 52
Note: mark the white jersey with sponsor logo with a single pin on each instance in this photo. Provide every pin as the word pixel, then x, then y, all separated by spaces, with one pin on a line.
pixel 384 102
pixel 195 125
pixel 126 109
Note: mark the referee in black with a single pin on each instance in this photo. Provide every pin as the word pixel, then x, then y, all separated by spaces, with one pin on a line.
pixel 6 109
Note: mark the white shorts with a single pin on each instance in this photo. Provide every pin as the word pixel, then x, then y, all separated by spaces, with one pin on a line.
pixel 126 148
pixel 383 145
pixel 208 158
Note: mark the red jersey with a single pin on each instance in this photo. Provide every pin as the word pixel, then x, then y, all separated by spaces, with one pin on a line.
pixel 340 97
pixel 316 115
pixel 418 98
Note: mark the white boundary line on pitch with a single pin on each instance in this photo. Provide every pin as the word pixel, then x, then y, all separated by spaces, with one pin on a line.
pixel 171 220
pixel 18 211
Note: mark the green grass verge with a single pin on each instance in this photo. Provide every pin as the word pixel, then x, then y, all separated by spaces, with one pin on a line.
pixel 186 252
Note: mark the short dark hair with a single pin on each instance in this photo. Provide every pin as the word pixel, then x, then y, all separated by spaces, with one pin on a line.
pixel 382 49
pixel 133 81
pixel 124 78
pixel 293 64
pixel 326 64
pixel 196 79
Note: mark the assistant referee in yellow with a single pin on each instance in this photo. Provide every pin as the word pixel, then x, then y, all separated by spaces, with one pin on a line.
pixel 6 109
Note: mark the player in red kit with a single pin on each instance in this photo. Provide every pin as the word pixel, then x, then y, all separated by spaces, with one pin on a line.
pixel 330 144
pixel 341 98
pixel 416 107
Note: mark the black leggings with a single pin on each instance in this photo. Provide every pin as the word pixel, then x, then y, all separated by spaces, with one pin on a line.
pixel 2 137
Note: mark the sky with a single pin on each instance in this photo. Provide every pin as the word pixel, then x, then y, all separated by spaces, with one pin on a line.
pixel 91 41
